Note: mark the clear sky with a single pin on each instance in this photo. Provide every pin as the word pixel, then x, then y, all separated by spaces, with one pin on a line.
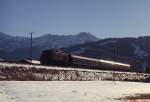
pixel 103 18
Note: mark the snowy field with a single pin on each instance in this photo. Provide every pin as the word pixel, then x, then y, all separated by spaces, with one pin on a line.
pixel 69 91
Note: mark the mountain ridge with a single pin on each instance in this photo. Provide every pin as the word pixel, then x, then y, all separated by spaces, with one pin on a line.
pixel 16 47
pixel 118 49
pixel 124 50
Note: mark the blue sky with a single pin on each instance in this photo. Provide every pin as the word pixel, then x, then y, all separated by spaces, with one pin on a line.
pixel 103 18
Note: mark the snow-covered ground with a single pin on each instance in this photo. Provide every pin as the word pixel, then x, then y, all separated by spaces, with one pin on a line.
pixel 10 65
pixel 69 91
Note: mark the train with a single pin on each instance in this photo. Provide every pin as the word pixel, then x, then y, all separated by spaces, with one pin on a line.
pixel 60 58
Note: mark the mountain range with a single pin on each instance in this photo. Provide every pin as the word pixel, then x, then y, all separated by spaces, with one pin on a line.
pixel 16 48
pixel 124 49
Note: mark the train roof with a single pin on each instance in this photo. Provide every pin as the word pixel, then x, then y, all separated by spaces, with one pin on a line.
pixel 30 61
pixel 101 60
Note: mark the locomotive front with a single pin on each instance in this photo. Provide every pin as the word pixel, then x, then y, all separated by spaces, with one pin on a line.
pixel 55 57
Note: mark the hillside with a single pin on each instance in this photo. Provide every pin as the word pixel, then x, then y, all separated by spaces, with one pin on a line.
pixel 118 49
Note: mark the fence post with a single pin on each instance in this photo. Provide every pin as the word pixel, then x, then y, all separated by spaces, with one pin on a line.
pixel 58 78
pixel 94 78
pixel 65 77
pixel 77 78
pixel 71 77
pixel 43 77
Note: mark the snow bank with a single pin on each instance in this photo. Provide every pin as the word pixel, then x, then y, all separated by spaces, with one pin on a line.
pixel 34 72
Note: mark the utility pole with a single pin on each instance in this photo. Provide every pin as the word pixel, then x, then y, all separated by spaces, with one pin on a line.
pixel 115 51
pixel 31 45
pixel 144 64
pixel 114 54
